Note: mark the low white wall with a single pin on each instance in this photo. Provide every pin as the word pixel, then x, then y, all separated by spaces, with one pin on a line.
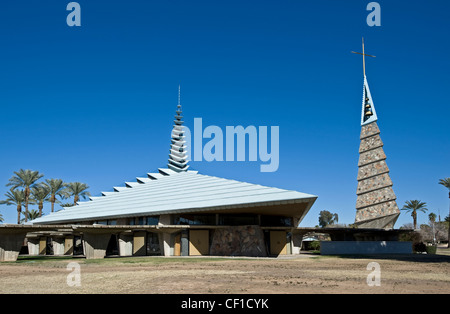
pixel 364 247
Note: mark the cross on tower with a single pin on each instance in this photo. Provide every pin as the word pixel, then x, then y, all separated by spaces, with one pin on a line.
pixel 364 55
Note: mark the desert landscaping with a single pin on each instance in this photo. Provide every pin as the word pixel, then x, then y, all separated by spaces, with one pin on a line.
pixel 304 273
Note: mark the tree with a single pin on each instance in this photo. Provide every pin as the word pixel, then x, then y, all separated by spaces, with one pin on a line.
pixel 15 197
pixel 432 217
pixel 327 218
pixel 56 187
pixel 66 205
pixel 446 183
pixel 77 190
pixel 1 218
pixel 414 206
pixel 40 194
pixel 26 179
pixel 31 215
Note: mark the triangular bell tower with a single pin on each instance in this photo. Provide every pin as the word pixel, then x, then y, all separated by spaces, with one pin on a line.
pixel 376 205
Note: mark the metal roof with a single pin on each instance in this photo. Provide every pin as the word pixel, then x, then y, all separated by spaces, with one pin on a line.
pixel 170 192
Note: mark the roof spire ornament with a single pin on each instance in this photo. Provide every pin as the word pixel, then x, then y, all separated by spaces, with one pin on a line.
pixel 178 159
pixel 364 55
pixel 368 113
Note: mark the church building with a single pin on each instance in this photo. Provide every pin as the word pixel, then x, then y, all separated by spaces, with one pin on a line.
pixel 180 212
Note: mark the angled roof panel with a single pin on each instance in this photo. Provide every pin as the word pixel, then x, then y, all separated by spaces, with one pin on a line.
pixel 178 193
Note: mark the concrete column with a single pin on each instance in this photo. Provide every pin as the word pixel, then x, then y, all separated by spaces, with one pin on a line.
pixel 68 245
pixel 125 244
pixel 95 244
pixel 58 246
pixel 296 242
pixel 289 245
pixel 33 246
pixel 167 244
pixel 164 219
pixel 10 245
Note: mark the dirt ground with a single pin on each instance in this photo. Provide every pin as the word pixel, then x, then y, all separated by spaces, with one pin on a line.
pixel 207 275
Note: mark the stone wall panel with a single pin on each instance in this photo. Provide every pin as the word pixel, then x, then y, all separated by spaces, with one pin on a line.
pixel 375 211
pixel 369 130
pixel 371 156
pixel 372 169
pixel 375 197
pixel 238 241
pixel 370 143
pixel 373 183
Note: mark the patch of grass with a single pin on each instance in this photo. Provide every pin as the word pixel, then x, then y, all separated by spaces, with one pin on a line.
pixel 142 260
pixel 41 258
pixel 154 260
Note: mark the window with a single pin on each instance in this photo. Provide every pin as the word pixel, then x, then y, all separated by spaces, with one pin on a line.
pixel 276 221
pixel 238 219
pixel 152 220
pixel 186 219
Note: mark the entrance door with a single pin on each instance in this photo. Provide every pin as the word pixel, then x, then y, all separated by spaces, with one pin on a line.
pixel 139 248
pixel 177 246
pixel 43 246
pixel 278 242
pixel 198 242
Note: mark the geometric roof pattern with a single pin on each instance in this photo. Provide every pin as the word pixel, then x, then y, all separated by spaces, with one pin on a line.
pixel 178 158
pixel 169 192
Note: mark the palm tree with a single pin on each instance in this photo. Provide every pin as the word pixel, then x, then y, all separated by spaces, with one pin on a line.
pixel 26 179
pixel 1 218
pixel 432 217
pixel 414 206
pixel 446 183
pixel 66 205
pixel 31 215
pixel 56 187
pixel 40 194
pixel 15 197
pixel 77 190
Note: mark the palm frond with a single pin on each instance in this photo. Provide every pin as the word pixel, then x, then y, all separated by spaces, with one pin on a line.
pixel 31 215
pixel 40 193
pixel 14 197
pixel 24 178
pixel 415 205
pixel 445 182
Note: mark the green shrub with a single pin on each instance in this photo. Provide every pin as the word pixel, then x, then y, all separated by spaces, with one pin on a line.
pixel 431 249
pixel 315 245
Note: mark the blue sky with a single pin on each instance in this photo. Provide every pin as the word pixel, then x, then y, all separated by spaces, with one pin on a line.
pixel 95 103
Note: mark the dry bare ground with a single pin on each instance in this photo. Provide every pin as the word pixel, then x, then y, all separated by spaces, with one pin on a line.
pixel 300 274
